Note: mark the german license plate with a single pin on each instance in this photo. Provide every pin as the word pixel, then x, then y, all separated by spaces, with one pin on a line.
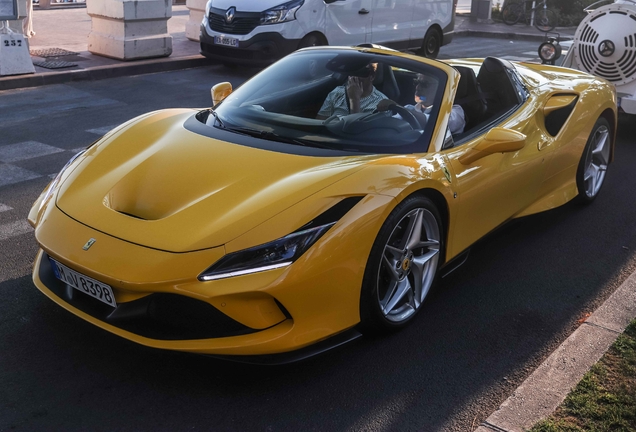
pixel 227 41
pixel 90 286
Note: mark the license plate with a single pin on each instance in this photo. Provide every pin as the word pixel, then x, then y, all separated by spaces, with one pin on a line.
pixel 227 41
pixel 93 288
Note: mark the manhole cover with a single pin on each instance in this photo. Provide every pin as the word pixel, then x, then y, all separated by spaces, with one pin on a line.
pixel 54 64
pixel 51 52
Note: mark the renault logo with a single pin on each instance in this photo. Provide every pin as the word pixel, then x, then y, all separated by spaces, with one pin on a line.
pixel 606 48
pixel 88 244
pixel 229 15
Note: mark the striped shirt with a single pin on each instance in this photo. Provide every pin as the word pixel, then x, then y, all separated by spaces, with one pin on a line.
pixel 336 102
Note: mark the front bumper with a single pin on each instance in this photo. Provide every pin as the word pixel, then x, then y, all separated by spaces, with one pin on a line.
pixel 262 49
pixel 302 309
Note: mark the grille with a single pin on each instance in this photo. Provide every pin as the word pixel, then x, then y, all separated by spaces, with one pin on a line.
pixel 243 22
pixel 608 26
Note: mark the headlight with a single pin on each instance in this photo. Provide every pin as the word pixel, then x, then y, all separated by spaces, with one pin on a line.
pixel 277 254
pixel 49 190
pixel 282 13
pixel 549 51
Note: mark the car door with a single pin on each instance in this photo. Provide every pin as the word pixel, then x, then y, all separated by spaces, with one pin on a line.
pixel 495 187
pixel 348 21
pixel 391 24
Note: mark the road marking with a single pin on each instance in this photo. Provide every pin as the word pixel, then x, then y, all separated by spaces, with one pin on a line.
pixel 26 150
pixel 4 208
pixel 13 229
pixel 10 174
pixel 102 130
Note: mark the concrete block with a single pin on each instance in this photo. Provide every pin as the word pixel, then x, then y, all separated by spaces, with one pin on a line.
pixel 197 12
pixel 14 55
pixel 130 9
pixel 130 48
pixel 130 29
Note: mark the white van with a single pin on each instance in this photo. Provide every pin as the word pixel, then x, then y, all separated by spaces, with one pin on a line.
pixel 262 31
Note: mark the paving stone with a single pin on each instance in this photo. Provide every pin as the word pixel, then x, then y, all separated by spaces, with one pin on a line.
pixel 10 174
pixel 26 150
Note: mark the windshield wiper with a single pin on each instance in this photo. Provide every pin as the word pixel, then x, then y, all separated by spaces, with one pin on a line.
pixel 272 136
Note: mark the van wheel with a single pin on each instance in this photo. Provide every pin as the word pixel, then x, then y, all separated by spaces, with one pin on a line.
pixel 311 40
pixel 432 43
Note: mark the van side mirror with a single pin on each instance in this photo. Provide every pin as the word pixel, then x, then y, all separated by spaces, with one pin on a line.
pixel 220 91
pixel 497 140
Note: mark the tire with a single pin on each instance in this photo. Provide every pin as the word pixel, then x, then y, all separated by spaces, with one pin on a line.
pixel 512 13
pixel 431 44
pixel 402 255
pixel 311 40
pixel 545 20
pixel 590 174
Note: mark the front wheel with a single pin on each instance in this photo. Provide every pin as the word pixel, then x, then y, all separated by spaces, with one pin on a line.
pixel 402 265
pixel 590 174
pixel 545 20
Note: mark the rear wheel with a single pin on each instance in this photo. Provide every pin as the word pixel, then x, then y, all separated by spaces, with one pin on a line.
pixel 545 20
pixel 590 174
pixel 402 265
pixel 432 43
pixel 512 13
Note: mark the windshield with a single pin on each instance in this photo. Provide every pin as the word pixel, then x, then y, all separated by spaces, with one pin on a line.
pixel 340 99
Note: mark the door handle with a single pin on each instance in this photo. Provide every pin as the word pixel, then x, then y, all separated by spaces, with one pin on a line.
pixel 363 11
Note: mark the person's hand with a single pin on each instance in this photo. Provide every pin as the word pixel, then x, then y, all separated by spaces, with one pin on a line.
pixel 385 105
pixel 354 88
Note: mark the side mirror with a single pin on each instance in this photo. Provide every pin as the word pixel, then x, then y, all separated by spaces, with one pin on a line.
pixel 220 91
pixel 497 140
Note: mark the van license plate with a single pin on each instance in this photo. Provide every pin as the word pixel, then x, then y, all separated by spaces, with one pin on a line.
pixel 227 41
pixel 90 286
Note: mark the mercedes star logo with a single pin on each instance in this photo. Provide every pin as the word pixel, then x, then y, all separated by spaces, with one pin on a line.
pixel 606 48
pixel 229 15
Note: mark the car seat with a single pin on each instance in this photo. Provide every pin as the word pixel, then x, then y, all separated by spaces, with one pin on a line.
pixel 496 86
pixel 469 97
pixel 385 81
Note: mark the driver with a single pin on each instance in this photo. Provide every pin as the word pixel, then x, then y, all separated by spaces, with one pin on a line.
pixel 357 95
pixel 425 89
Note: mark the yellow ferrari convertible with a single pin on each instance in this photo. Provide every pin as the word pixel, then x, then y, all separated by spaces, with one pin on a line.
pixel 319 201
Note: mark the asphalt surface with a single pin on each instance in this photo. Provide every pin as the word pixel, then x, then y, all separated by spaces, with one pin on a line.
pixel 521 293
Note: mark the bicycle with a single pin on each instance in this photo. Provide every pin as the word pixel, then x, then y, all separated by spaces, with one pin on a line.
pixel 544 19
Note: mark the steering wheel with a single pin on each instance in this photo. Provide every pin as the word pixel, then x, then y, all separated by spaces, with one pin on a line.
pixel 406 115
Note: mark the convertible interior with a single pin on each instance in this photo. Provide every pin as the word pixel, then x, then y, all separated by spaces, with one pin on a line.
pixel 287 101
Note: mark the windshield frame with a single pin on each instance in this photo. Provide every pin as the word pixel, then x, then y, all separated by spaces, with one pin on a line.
pixel 237 113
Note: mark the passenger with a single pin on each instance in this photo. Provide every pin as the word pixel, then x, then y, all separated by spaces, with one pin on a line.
pixel 356 96
pixel 425 89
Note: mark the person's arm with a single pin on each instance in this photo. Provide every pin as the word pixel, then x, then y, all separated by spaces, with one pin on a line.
pixel 456 122
pixel 327 107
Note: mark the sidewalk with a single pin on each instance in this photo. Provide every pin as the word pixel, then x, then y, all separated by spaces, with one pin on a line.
pixel 66 29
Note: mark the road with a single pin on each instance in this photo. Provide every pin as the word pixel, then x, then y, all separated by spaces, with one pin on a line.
pixel 479 336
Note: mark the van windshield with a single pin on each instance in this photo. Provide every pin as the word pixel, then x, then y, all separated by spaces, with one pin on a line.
pixel 340 99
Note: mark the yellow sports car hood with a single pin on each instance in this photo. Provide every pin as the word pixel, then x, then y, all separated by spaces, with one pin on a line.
pixel 156 184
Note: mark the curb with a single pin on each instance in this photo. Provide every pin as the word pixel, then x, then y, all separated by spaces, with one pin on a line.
pixel 544 390
pixel 508 35
pixel 103 72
